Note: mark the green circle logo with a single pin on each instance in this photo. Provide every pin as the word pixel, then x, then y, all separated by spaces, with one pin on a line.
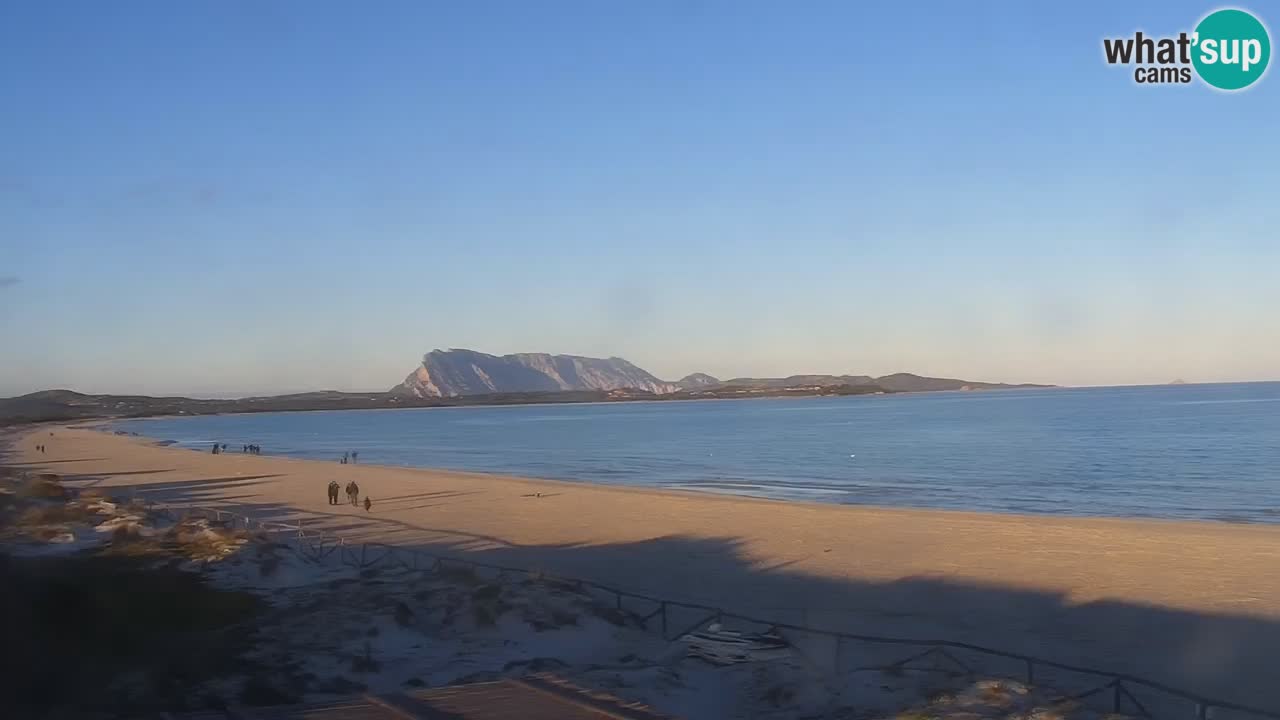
pixel 1232 49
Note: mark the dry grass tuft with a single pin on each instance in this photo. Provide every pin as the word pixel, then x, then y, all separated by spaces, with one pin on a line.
pixel 46 487
pixel 47 534
pixel 53 515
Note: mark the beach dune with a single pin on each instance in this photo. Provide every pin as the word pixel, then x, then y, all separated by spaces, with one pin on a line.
pixel 1192 604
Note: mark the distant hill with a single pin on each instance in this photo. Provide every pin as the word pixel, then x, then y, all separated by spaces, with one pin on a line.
pixel 70 405
pixel 792 381
pixel 898 382
pixel 455 373
pixel 697 380
pixel 906 382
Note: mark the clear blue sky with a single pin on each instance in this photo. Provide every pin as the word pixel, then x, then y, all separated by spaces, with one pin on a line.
pixel 265 196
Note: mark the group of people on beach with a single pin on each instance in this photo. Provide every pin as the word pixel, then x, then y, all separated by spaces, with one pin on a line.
pixel 40 448
pixel 353 495
pixel 349 457
pixel 219 448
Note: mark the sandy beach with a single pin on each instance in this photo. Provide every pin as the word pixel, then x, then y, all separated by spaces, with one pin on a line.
pixel 1193 604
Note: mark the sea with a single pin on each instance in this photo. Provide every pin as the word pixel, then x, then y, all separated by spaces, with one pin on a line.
pixel 1209 452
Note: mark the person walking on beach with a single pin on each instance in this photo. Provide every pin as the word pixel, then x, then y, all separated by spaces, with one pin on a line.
pixel 354 455
pixel 215 448
pixel 349 491
pixel 333 492
pixel 368 504
pixel 355 493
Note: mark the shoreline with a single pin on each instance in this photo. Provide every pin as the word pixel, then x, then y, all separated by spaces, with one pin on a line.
pixel 556 483
pixel 559 483
pixel 1193 603
pixel 110 425
pixel 326 467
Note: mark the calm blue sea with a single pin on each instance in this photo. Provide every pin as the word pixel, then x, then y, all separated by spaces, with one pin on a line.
pixel 1190 451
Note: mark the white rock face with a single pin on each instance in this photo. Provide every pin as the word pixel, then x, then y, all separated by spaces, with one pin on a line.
pixel 451 373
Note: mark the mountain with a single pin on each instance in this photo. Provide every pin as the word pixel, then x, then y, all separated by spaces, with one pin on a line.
pixel 455 373
pixel 463 373
pixel 697 380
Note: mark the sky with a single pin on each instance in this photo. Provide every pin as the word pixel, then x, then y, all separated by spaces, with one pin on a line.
pixel 236 197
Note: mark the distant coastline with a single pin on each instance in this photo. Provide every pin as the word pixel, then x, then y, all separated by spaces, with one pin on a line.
pixel 66 405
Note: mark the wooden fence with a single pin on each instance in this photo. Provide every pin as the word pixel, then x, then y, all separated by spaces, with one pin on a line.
pixel 1118 692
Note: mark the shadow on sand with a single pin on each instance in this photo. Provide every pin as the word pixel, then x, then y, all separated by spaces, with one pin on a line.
pixel 1227 657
